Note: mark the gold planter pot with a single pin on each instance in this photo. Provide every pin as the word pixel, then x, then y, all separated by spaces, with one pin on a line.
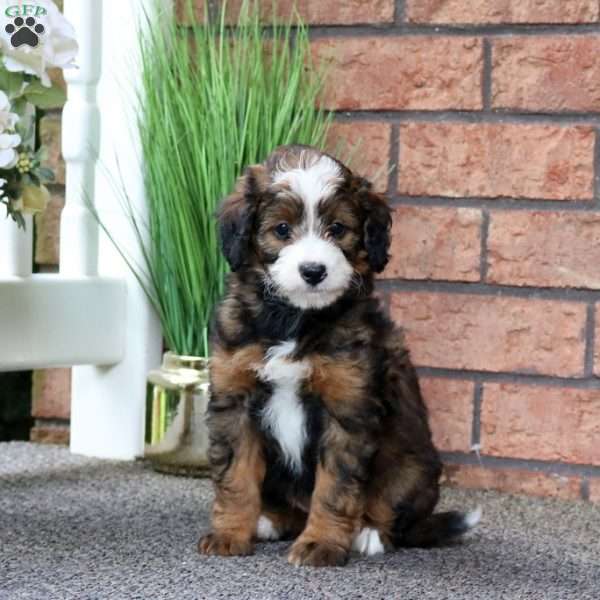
pixel 176 401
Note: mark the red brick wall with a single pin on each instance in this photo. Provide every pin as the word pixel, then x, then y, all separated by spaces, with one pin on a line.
pixel 479 120
pixel 485 114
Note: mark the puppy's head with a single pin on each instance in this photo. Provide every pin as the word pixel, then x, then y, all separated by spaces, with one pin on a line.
pixel 307 225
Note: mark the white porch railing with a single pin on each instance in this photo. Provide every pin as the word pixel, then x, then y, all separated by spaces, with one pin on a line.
pixel 93 313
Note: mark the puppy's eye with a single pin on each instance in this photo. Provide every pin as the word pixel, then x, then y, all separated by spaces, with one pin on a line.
pixel 282 231
pixel 337 230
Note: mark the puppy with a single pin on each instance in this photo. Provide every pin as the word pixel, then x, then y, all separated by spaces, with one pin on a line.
pixel 317 426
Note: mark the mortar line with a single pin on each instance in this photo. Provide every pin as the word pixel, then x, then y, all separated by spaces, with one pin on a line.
pixel 486 75
pixel 540 466
pixel 476 422
pixel 510 377
pixel 490 289
pixel 597 169
pixel 403 28
pixel 394 160
pixel 483 259
pixel 47 422
pixel 447 115
pixel 399 12
pixel 531 204
pixel 590 334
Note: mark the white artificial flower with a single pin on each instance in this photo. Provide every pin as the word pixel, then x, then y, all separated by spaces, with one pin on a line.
pixel 8 119
pixel 8 139
pixel 57 46
pixel 8 154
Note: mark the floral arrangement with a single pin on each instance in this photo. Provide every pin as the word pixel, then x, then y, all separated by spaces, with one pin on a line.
pixel 34 38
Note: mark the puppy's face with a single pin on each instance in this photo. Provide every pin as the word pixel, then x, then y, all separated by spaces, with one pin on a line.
pixel 310 227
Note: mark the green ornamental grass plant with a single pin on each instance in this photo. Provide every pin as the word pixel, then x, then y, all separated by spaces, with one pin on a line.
pixel 214 99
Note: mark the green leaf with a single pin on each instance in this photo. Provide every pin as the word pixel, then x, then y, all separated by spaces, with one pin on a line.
pixel 18 105
pixel 18 218
pixel 44 173
pixel 10 83
pixel 34 179
pixel 44 97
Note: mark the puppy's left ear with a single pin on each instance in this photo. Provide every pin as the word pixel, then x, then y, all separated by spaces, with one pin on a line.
pixel 376 230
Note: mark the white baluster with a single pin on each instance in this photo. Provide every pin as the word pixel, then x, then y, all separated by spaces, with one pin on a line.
pixel 107 407
pixel 80 141
pixel 16 246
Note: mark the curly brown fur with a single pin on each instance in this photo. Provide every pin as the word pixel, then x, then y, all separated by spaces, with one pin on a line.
pixel 316 418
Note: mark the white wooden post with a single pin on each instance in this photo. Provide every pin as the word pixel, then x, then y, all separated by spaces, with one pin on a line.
pixel 16 246
pixel 107 409
pixel 81 141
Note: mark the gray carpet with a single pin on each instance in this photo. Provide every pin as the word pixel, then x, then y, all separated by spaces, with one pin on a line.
pixel 72 527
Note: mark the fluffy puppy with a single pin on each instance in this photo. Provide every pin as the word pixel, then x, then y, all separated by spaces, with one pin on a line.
pixel 317 427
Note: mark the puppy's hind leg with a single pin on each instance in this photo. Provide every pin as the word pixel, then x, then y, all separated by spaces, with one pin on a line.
pixel 401 506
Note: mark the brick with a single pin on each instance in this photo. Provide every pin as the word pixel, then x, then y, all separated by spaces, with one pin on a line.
pixel 47 231
pixel 343 12
pixel 496 160
pixel 401 73
pixel 50 434
pixel 435 243
pixel 508 11
pixel 545 423
pixel 553 73
pixel 594 484
pixel 450 405
pixel 317 12
pixel 491 333
pixel 365 147
pixel 50 137
pixel 513 481
pixel 190 11
pixel 546 249
pixel 51 394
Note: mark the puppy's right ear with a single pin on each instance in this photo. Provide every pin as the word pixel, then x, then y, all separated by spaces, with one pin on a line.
pixel 236 217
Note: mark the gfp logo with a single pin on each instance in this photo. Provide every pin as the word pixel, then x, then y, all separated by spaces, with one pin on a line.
pixel 24 29
pixel 25 10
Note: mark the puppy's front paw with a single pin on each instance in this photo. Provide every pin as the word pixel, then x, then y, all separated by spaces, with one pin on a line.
pixel 317 554
pixel 224 545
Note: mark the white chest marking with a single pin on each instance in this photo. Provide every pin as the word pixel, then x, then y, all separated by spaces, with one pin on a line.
pixel 284 415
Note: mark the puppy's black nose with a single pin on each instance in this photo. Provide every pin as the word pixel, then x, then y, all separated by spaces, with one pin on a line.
pixel 313 273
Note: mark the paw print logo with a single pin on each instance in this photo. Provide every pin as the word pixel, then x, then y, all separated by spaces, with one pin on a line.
pixel 24 32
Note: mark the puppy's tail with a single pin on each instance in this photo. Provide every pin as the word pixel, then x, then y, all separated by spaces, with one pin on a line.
pixel 439 528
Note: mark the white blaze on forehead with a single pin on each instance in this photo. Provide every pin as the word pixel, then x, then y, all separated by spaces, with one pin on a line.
pixel 317 178
pixel 312 183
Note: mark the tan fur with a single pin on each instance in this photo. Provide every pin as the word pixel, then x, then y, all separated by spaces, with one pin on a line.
pixel 328 535
pixel 237 503
pixel 337 380
pixel 235 371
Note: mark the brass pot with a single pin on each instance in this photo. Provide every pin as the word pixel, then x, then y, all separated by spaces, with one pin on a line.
pixel 176 439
